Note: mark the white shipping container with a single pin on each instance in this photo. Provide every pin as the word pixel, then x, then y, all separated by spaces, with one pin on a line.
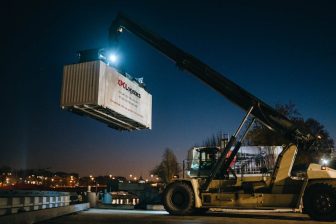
pixel 100 91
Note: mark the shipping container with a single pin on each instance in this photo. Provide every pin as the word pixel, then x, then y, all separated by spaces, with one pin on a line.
pixel 97 90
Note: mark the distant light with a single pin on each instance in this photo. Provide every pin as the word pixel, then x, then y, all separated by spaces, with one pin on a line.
pixel 113 58
pixel 325 161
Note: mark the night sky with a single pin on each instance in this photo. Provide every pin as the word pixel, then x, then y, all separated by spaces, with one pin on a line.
pixel 280 51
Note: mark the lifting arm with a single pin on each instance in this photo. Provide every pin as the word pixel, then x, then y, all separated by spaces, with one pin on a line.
pixel 263 112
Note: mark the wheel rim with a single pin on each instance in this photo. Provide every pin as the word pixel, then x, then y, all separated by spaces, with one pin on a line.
pixel 324 203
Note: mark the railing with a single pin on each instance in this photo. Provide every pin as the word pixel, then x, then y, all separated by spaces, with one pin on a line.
pixel 23 201
pixel 243 165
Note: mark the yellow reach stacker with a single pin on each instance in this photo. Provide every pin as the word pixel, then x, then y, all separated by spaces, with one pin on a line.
pixel 217 186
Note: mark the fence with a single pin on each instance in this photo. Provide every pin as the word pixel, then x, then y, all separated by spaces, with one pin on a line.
pixel 23 201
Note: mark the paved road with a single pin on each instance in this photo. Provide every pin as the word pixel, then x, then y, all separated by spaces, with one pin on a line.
pixel 101 216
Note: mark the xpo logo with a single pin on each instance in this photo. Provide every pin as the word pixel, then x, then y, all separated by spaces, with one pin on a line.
pixel 124 85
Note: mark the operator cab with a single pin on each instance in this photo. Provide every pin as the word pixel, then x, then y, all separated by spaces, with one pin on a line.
pixel 201 160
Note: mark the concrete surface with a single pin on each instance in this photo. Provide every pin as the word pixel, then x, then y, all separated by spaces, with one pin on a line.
pixel 155 207
pixel 41 215
pixel 101 216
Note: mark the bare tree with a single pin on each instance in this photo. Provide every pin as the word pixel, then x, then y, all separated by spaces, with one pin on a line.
pixel 168 168
pixel 215 140
pixel 260 135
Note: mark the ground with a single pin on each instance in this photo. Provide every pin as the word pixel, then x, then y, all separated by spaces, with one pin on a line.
pixel 102 216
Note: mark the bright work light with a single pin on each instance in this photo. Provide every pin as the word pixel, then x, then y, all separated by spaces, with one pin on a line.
pixel 113 58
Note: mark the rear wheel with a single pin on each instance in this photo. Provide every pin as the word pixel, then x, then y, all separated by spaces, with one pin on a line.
pixel 319 202
pixel 179 199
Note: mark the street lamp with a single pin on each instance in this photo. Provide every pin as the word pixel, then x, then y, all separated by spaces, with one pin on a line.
pixel 94 182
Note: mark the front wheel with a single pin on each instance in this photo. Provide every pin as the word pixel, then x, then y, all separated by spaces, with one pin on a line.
pixel 179 199
pixel 319 202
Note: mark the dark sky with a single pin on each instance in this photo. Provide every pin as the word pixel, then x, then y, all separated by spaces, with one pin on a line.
pixel 280 51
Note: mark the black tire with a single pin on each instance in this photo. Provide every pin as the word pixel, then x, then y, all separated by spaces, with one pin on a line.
pixel 319 202
pixel 179 199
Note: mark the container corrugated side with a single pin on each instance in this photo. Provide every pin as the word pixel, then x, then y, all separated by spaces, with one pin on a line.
pixel 80 84
pixel 101 92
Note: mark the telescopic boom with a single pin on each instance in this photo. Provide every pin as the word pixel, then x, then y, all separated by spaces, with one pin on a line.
pixel 236 94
